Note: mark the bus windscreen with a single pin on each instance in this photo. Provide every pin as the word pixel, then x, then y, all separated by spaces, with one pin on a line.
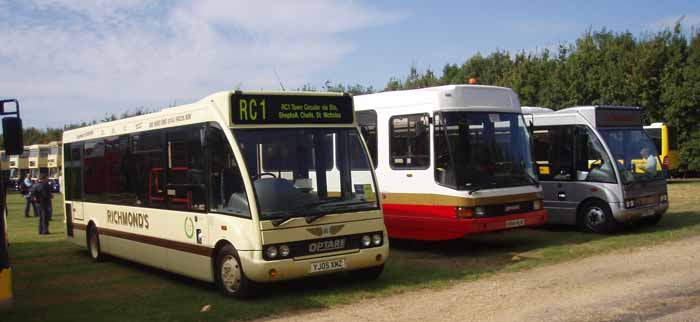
pixel 255 109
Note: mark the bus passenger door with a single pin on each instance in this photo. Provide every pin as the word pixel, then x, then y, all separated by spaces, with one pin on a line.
pixel 554 154
pixel 73 191
pixel 185 194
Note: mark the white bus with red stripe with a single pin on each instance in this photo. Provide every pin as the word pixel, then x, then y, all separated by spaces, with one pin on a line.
pixel 451 161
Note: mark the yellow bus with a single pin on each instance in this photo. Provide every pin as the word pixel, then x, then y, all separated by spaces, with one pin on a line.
pixel 666 142
pixel 38 160
pixel 19 167
pixel 55 164
pixel 239 188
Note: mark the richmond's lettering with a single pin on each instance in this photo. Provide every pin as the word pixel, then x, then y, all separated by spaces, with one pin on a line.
pixel 127 218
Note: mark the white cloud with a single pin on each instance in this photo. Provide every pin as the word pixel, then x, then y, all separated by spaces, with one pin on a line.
pixel 87 58
pixel 687 21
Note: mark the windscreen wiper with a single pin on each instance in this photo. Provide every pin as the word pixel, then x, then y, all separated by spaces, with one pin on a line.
pixel 278 221
pixel 475 189
pixel 336 208
pixel 298 212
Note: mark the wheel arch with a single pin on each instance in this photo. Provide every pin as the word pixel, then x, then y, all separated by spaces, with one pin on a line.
pixel 217 247
pixel 91 225
pixel 583 204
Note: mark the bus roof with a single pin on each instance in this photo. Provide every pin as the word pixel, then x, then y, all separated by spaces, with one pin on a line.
pixel 655 125
pixel 37 146
pixel 596 115
pixel 448 97
pixel 217 106
pixel 536 110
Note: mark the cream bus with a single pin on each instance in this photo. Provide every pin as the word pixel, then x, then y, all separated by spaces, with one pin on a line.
pixel 55 164
pixel 451 161
pixel 38 160
pixel 239 188
pixel 19 167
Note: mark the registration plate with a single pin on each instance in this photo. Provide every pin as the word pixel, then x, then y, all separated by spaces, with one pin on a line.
pixel 515 223
pixel 324 266
pixel 648 212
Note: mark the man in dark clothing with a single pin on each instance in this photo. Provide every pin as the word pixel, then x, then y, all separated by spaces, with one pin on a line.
pixel 41 192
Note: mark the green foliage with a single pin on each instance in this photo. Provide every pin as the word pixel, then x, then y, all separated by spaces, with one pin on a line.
pixel 659 72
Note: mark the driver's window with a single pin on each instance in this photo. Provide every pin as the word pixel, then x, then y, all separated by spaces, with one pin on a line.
pixel 227 192
pixel 592 163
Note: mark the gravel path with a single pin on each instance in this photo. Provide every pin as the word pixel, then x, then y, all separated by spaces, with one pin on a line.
pixel 660 284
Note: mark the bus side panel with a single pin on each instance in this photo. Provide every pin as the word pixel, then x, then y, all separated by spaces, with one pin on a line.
pixel 134 251
pixel 192 265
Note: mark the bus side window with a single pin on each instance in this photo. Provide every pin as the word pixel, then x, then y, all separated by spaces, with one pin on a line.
pixel 186 189
pixel 409 141
pixel 147 166
pixel 226 193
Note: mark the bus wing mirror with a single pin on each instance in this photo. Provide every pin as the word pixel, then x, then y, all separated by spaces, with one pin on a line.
pixel 12 135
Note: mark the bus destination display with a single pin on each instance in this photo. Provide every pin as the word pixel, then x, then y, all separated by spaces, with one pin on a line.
pixel 612 117
pixel 248 109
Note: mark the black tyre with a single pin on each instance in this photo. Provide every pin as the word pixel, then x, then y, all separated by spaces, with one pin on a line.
pixel 650 221
pixel 596 216
pixel 368 274
pixel 230 278
pixel 93 241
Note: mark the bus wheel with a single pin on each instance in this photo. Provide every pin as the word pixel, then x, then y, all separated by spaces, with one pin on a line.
pixel 230 278
pixel 597 217
pixel 368 274
pixel 94 245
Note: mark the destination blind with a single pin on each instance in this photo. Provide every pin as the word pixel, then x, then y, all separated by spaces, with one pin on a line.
pixel 249 109
pixel 612 117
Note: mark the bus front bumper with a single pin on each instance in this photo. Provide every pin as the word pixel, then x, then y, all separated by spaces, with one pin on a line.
pixel 419 226
pixel 262 271
pixel 626 215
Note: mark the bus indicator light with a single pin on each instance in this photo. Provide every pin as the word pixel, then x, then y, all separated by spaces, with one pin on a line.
pixel 463 212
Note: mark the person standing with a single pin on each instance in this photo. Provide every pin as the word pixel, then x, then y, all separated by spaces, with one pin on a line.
pixel 41 192
pixel 24 187
pixel 650 167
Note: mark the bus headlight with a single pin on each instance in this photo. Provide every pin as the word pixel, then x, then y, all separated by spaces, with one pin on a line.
pixel 663 198
pixel 284 250
pixel 271 252
pixel 376 239
pixel 629 203
pixel 366 241
pixel 537 205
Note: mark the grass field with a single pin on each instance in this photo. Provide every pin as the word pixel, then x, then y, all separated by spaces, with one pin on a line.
pixel 56 281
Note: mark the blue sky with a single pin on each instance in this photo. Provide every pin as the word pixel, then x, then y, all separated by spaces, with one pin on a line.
pixel 69 61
